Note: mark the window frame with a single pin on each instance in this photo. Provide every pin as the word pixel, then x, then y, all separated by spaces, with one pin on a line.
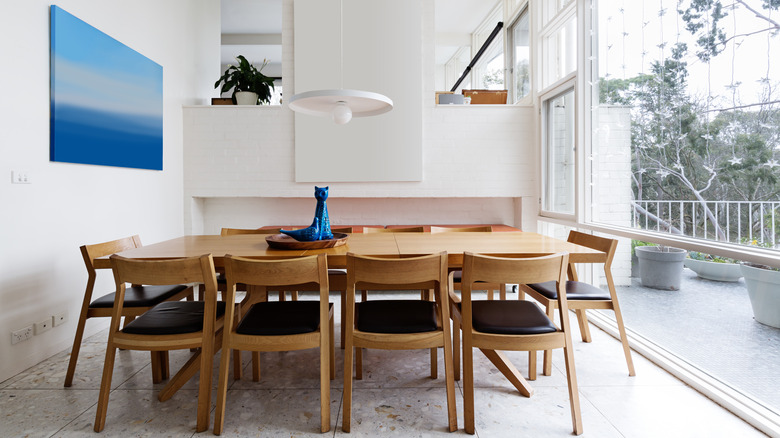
pixel 565 85
pixel 509 56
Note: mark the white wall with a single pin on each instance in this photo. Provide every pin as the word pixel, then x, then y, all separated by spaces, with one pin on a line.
pixel 248 155
pixel 68 205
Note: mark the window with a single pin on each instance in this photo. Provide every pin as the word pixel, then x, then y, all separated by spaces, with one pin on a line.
pixel 558 158
pixel 520 53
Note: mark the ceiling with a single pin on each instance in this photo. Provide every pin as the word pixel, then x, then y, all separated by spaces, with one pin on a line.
pixel 264 17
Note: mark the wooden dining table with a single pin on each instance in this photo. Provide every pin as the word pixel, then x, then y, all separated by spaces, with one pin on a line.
pixel 375 244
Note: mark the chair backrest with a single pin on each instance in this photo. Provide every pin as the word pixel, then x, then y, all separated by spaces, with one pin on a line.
pixel 603 244
pixel 233 231
pixel 424 272
pixel 512 269
pixel 479 229
pixel 278 272
pixel 97 250
pixel 166 272
pixel 419 229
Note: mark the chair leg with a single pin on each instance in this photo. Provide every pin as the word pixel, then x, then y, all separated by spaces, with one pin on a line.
pixel 74 352
pixel 582 319
pixel 327 373
pixel 343 317
pixel 347 408
pixel 282 295
pixel 574 394
pixel 456 349
pixel 219 414
pixel 105 388
pixel 156 367
pixel 502 291
pixel 532 365
pixel 204 385
pixel 547 363
pixel 468 386
pixel 624 339
pixel 332 347
pixel 255 366
pixel 294 295
pixel 449 379
pixel 364 295
pixel 237 364
pixel 359 363
pixel 434 363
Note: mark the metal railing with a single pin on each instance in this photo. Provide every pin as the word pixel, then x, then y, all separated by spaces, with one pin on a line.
pixel 728 221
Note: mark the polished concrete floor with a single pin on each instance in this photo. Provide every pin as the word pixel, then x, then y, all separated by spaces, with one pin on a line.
pixel 396 397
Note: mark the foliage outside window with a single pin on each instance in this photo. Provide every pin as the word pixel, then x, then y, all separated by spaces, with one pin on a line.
pixel 686 113
pixel 520 57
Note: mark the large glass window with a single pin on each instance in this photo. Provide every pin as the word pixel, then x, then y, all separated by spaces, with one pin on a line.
pixel 521 57
pixel 686 112
pixel 558 154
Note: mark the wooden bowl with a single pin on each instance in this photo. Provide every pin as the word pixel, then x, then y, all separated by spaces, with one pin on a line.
pixel 283 241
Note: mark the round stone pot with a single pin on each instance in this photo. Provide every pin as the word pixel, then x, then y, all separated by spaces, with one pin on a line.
pixel 763 288
pixel 246 98
pixel 714 271
pixel 660 269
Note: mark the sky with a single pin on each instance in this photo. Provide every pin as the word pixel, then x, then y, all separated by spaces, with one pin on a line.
pixel 627 28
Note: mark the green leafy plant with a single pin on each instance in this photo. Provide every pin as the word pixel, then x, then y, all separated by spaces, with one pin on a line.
pixel 635 243
pixel 246 77
pixel 695 255
pixel 755 242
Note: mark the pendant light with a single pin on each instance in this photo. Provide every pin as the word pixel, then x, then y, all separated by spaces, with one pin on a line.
pixel 340 104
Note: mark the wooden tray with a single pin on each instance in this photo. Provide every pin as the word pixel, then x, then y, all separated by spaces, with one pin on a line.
pixel 283 241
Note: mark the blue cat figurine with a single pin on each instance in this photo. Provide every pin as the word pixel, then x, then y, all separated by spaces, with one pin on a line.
pixel 321 212
pixel 307 234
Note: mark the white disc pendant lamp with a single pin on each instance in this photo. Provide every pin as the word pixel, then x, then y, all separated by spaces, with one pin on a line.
pixel 341 105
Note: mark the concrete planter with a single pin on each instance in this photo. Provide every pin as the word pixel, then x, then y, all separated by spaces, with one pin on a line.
pixel 660 269
pixel 714 271
pixel 763 288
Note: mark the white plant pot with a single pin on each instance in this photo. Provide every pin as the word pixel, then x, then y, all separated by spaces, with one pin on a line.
pixel 763 288
pixel 714 271
pixel 246 98
pixel 660 269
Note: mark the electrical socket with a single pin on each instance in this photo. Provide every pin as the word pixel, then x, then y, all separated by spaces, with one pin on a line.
pixel 60 318
pixel 21 334
pixel 43 326
pixel 20 177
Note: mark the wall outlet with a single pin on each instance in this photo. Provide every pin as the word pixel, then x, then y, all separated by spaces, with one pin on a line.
pixel 42 326
pixel 22 334
pixel 20 177
pixel 60 318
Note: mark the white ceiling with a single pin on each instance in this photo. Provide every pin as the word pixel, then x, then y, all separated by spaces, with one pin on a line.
pixel 265 17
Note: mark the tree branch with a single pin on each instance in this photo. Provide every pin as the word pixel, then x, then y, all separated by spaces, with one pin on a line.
pixel 759 15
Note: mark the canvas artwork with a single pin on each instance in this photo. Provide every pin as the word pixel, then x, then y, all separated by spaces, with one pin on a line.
pixel 106 98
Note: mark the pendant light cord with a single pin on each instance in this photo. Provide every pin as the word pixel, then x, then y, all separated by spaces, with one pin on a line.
pixel 341 41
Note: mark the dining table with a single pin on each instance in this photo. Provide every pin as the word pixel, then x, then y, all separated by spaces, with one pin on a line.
pixel 526 244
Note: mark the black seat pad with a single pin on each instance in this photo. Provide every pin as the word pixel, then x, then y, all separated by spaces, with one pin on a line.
pixel 457 277
pixel 396 316
pixel 510 318
pixel 281 318
pixel 172 317
pixel 140 296
pixel 575 290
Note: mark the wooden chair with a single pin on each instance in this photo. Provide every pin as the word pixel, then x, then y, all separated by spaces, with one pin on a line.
pixel 278 326
pixel 582 296
pixel 397 324
pixel 516 325
pixel 138 299
pixel 167 326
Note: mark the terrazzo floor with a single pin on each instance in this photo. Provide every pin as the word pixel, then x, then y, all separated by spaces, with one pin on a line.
pixel 396 397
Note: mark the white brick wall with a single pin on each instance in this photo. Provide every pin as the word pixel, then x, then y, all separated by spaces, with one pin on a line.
pixel 239 163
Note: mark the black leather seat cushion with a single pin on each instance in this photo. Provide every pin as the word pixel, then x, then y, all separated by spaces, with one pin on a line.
pixel 575 290
pixel 457 277
pixel 140 296
pixel 172 317
pixel 510 318
pixel 281 318
pixel 396 316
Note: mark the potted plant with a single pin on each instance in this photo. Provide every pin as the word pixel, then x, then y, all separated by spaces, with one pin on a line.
pixel 763 285
pixel 249 85
pixel 660 267
pixel 634 259
pixel 713 267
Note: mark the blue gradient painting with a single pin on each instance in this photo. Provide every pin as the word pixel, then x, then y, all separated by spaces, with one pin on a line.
pixel 106 99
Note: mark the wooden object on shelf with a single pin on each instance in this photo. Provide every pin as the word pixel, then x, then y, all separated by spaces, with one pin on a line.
pixel 491 97
pixel 221 101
